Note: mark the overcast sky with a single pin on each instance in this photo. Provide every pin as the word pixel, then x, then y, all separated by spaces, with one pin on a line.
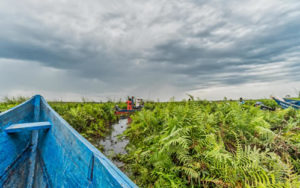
pixel 98 49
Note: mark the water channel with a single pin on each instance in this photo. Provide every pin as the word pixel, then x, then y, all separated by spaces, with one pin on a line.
pixel 112 144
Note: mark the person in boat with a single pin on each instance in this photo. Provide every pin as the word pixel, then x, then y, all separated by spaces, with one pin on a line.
pixel 137 104
pixel 142 103
pixel 129 104
pixel 133 102
pixel 117 108
pixel 242 101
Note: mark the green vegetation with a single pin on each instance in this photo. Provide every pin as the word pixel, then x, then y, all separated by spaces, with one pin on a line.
pixel 198 143
pixel 90 119
pixel 11 102
pixel 214 144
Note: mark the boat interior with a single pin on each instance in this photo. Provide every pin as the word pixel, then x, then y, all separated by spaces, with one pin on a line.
pixel 40 149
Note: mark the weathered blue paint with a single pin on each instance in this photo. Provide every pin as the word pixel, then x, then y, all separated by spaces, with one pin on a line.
pixel 14 148
pixel 284 104
pixel 296 102
pixel 27 127
pixel 34 142
pixel 32 158
pixel 57 157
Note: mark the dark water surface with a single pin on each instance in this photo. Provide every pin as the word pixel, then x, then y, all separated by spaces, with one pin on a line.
pixel 112 144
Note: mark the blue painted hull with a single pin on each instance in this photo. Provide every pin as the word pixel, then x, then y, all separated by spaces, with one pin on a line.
pixel 296 102
pixel 55 157
pixel 285 105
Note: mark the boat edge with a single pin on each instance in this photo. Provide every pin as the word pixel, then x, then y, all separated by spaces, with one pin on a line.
pixel 112 169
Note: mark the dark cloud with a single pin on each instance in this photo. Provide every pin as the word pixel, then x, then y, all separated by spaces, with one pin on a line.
pixel 185 45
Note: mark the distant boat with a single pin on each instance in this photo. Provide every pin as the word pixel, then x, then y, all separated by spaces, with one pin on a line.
pixel 124 112
pixel 40 149
pixel 121 112
pixel 284 104
pixel 296 102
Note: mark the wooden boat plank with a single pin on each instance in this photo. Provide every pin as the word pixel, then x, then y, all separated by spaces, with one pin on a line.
pixel 284 104
pixel 13 146
pixel 63 157
pixel 73 155
pixel 27 126
pixel 296 102
pixel 34 143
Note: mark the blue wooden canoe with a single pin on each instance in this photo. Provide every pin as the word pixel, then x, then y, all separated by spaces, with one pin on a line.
pixel 284 104
pixel 40 149
pixel 296 102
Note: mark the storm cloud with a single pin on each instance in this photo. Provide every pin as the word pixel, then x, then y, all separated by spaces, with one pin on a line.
pixel 153 49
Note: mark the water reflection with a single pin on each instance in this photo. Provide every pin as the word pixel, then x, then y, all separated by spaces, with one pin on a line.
pixel 112 144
